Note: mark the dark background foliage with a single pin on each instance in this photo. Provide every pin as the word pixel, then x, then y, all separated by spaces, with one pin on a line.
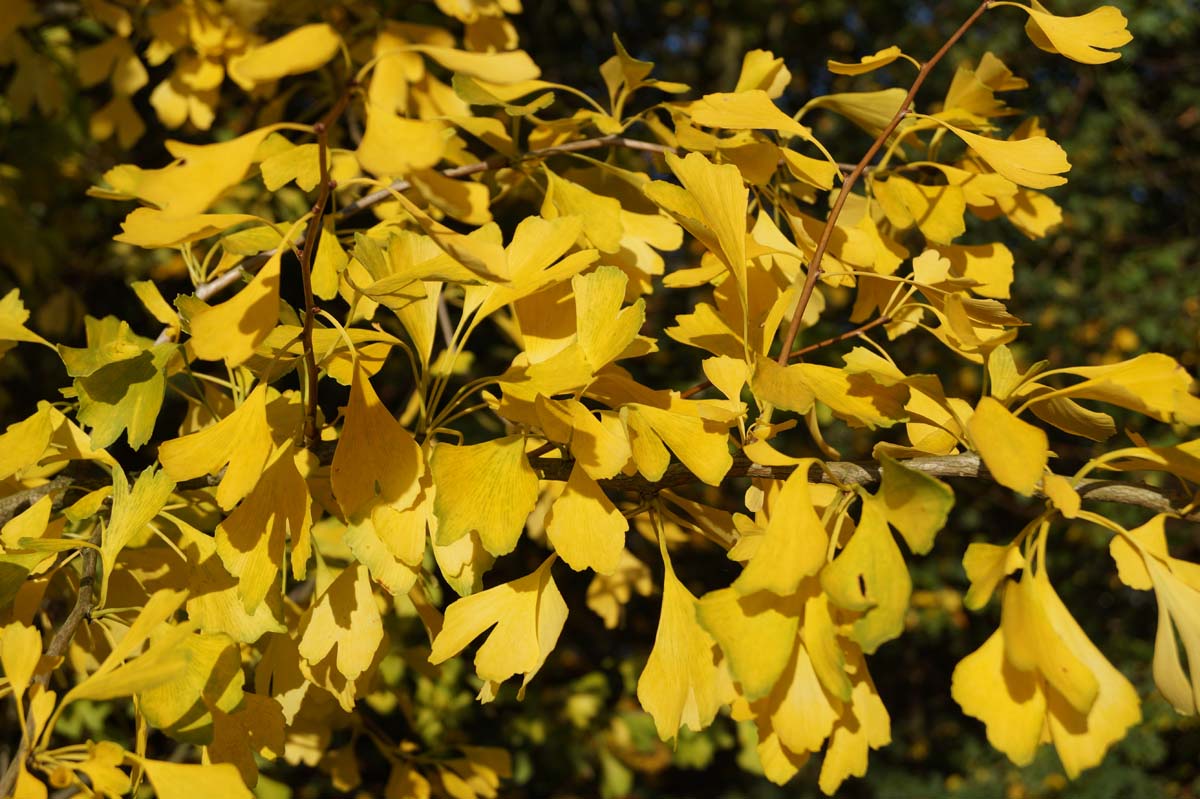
pixel 1116 279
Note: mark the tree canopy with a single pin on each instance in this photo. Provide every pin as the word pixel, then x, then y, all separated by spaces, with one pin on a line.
pixel 418 400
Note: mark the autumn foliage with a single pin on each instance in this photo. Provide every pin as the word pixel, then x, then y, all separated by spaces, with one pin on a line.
pixel 428 296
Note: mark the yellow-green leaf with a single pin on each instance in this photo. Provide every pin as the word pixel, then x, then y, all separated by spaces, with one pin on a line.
pixel 488 487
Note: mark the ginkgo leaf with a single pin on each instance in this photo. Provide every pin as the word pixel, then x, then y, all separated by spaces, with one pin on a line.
pixel 232 330
pixel 213 679
pixel 1015 452
pixel 1036 162
pixel 605 329
pixel 240 444
pixel 200 174
pixel 750 109
pixel 607 594
pixel 13 317
pixel 344 617
pixel 376 460
pixel 152 228
pixel 528 614
pixel 761 69
pixel 251 540
pixel 24 442
pixel 794 544
pixel 585 527
pixel 489 488
pixel 868 63
pixel 299 163
pixel 120 379
pixel 869 575
pixel 700 447
pixel 1153 384
pixel 756 632
pixel 917 504
pixel 1009 702
pixel 132 510
pixel 680 685
pixel 301 50
pixel 1088 38
pixel 711 206
pixel 20 651
pixel 986 565
pixel 378 153
pixel 186 780
pixel 601 215
pixel 162 661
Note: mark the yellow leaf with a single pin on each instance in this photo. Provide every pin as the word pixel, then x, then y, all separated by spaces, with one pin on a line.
pixel 1082 739
pixel 1087 38
pixel 585 528
pixel 489 488
pixel 680 685
pixel 702 446
pixel 212 680
pixel 1036 162
pixel 750 109
pixel 132 510
pixel 868 63
pixel 465 200
pixel 231 330
pixel 871 111
pixel 756 632
pixel 528 615
pixel 761 69
pixel 463 562
pixel 813 171
pixel 345 616
pixel 794 544
pixel 24 442
pixel 186 780
pixel 601 215
pixel 1009 702
pixel 1153 384
pixel 1033 641
pixel 20 651
pixel 986 565
pixel 378 153
pixel 151 228
pixel 301 50
pixel 102 770
pixel 240 444
pixel 1062 494
pixel 251 540
pixel 917 504
pixel 605 330
pixel 376 460
pixel 711 206
pixel 870 575
pixel 510 67
pixel 12 323
pixel 1178 609
pixel 1015 452
pixel 300 163
pixel 863 725
pixel 607 594
pixel 200 174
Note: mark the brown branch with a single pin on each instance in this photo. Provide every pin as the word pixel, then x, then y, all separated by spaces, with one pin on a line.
pixel 852 473
pixel 814 268
pixel 84 602
pixel 312 239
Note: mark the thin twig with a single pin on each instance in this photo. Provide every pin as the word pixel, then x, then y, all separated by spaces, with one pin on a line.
pixel 814 268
